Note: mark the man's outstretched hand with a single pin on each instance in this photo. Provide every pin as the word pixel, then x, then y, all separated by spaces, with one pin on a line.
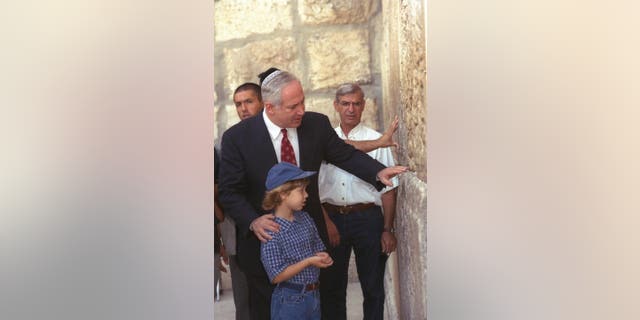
pixel 386 174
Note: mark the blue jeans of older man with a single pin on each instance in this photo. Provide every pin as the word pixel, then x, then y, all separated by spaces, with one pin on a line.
pixel 360 231
pixel 290 304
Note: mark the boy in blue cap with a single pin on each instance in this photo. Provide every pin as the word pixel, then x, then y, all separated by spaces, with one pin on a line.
pixel 293 256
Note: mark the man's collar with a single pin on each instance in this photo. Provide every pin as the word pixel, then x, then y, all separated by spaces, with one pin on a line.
pixel 297 218
pixel 273 129
pixel 355 130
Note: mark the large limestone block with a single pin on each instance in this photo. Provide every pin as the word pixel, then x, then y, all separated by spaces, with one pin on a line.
pixel 391 287
pixel 370 114
pixel 322 105
pixel 231 115
pixel 411 223
pixel 413 81
pixel 235 19
pixel 338 57
pixel 335 11
pixel 377 43
pixel 245 63
pixel 225 117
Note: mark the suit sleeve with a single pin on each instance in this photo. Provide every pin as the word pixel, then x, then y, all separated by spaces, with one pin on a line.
pixel 348 158
pixel 233 185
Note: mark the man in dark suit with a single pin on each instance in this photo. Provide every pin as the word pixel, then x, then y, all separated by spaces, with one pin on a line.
pixel 250 148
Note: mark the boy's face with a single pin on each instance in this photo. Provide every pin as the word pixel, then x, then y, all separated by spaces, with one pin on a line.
pixel 296 199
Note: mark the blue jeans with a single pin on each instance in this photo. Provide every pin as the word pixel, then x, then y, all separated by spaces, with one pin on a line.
pixel 289 304
pixel 361 231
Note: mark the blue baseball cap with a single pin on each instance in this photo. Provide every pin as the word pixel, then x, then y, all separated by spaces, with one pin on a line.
pixel 284 172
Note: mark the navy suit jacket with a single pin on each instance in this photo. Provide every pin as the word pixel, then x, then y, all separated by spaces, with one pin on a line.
pixel 248 154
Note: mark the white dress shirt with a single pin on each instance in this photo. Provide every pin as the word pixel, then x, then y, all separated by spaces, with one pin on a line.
pixel 276 137
pixel 341 188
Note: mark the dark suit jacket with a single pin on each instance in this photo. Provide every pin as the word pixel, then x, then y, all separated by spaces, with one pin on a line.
pixel 248 154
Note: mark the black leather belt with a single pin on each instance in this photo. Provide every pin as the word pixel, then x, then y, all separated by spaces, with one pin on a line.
pixel 348 209
pixel 300 287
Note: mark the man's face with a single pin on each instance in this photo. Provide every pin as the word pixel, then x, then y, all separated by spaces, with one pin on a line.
pixel 247 104
pixel 291 109
pixel 350 107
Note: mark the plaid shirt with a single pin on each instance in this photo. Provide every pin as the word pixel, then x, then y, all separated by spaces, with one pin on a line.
pixel 296 241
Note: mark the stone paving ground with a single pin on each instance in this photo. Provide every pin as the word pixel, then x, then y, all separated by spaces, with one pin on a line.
pixel 225 310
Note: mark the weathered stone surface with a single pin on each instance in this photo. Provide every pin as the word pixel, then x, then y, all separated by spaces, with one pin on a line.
pixel 392 299
pixel 389 64
pixel 370 114
pixel 338 57
pixel 225 117
pixel 413 83
pixel 377 43
pixel 231 116
pixel 245 63
pixel 235 19
pixel 403 73
pixel 322 105
pixel 335 11
pixel 412 247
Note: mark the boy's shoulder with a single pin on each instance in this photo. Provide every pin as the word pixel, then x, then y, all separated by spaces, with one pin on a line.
pixel 303 215
pixel 273 234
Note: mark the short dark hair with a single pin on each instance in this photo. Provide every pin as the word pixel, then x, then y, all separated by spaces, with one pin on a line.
pixel 250 86
pixel 266 73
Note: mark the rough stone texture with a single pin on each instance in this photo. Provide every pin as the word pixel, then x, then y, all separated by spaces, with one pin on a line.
pixel 235 19
pixel 391 288
pixel 377 43
pixel 338 57
pixel 412 251
pixel 403 73
pixel 227 115
pixel 370 114
pixel 390 68
pixel 322 105
pixel 245 63
pixel 231 114
pixel 413 83
pixel 315 12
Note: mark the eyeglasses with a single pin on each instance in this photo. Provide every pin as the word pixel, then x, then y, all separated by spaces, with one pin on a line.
pixel 346 104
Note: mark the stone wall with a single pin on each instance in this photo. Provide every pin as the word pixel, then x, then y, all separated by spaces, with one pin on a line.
pixel 380 44
pixel 404 78
pixel 324 43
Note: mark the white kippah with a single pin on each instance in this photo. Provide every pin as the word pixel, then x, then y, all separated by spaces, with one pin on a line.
pixel 271 76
